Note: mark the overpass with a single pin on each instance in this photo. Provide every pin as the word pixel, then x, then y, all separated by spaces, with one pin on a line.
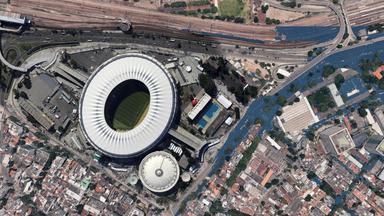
pixel 13 67
pixel 317 60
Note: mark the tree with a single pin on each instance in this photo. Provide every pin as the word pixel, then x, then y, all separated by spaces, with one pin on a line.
pixel 255 19
pixel 308 198
pixel 207 84
pixel 216 207
pixel 237 112
pixel 79 208
pixel 264 8
pixel 281 100
pixel 27 82
pixel 16 93
pixel 24 95
pixel 339 79
pixel 328 70
pixel 362 112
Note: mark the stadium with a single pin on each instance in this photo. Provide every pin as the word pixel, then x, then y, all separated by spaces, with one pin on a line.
pixel 127 105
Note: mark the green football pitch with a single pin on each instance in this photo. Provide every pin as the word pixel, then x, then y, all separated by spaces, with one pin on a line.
pixel 131 111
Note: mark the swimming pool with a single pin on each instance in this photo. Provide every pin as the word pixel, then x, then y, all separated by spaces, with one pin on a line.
pixel 212 110
pixel 202 123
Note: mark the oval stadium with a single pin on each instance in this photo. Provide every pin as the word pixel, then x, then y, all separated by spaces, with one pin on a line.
pixel 127 105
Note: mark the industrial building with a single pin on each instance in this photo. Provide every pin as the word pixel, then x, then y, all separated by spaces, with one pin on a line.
pixel 123 73
pixel 336 95
pixel 204 100
pixel 37 114
pixel 297 117
pixel 336 140
pixel 159 172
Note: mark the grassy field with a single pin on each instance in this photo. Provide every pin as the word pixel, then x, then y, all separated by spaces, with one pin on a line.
pixel 131 111
pixel 231 7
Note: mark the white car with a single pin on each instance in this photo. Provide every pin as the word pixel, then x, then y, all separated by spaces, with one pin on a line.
pixel 200 68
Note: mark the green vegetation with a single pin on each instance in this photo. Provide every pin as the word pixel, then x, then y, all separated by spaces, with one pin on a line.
pixel 264 8
pixel 272 183
pixel 281 100
pixel 206 13
pixel 131 111
pixel 218 68
pixel 207 83
pixel 176 4
pixel 308 198
pixel 339 80
pixel 291 3
pixel 40 135
pixel 199 3
pixel 369 65
pixel 327 189
pixel 328 70
pixel 322 100
pixel 231 7
pixel 255 19
pixel 234 212
pixel 362 112
pixel 216 207
pixel 243 162
pixel 376 27
pixel 270 21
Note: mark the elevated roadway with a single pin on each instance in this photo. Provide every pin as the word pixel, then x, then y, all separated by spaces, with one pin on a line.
pixel 317 60
pixel 13 67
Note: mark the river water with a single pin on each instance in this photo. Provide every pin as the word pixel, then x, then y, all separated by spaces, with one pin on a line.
pixel 257 109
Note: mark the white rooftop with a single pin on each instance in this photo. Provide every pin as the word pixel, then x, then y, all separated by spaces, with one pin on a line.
pixel 224 101
pixel 159 171
pixel 204 100
pixel 336 95
pixel 297 117
pixel 158 119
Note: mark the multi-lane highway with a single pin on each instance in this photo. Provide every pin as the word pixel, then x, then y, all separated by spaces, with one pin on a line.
pixel 316 61
pixel 207 47
pixel 91 14
pixel 331 48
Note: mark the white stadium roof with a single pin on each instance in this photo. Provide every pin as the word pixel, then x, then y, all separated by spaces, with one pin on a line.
pixel 159 171
pixel 157 121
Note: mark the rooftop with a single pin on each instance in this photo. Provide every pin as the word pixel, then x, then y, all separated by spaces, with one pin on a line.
pixel 297 117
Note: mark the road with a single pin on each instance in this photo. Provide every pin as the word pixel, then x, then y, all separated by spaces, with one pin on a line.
pixel 344 24
pixel 15 110
pixel 317 60
pixel 261 54
pixel 327 4
pixel 93 14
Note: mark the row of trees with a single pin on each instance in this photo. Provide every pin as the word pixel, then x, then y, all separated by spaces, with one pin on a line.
pixel 322 100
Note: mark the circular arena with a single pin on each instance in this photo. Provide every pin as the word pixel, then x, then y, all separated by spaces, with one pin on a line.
pixel 159 171
pixel 127 105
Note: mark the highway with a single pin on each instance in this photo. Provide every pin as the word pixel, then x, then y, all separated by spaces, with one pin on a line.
pixel 331 49
pixel 317 60
pixel 102 15
pixel 93 14
pixel 208 47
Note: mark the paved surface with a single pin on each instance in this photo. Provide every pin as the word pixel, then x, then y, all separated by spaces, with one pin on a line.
pixel 287 55
pixel 317 60
pixel 88 14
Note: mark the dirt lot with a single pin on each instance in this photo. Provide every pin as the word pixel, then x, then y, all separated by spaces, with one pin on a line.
pixel 283 16
pixel 251 66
